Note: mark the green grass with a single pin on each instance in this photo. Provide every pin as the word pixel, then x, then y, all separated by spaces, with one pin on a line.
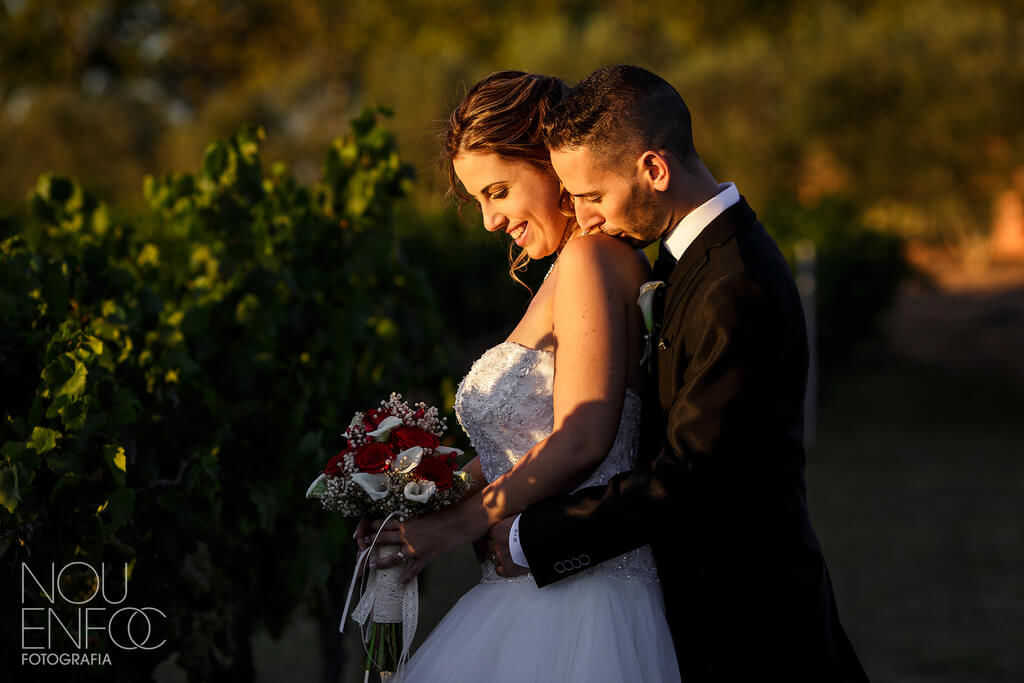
pixel 916 487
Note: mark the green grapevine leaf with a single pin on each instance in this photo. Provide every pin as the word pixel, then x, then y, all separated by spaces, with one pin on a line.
pixel 119 508
pixel 114 455
pixel 9 494
pixel 75 385
pixel 43 439
pixel 19 452
pixel 123 409
pixel 65 463
pixel 73 414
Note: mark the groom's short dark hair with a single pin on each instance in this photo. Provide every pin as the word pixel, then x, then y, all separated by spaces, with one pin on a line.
pixel 618 112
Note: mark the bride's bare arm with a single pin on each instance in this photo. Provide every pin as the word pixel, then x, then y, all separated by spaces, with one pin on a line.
pixel 364 529
pixel 475 471
pixel 591 330
pixel 591 321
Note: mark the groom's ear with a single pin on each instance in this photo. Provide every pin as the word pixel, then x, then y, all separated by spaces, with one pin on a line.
pixel 654 170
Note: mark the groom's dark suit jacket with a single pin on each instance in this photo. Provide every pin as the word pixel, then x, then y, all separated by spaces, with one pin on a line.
pixel 719 490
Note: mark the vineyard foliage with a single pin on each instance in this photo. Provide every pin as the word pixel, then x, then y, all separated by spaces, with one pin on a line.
pixel 172 384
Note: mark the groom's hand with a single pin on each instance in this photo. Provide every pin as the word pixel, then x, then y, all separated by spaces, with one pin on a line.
pixel 502 558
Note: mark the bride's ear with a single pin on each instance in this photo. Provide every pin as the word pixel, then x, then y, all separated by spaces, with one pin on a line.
pixel 654 170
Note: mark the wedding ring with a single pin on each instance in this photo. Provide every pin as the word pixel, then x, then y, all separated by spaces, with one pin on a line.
pixel 400 555
pixel 493 557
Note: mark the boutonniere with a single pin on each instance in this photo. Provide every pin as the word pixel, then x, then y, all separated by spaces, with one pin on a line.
pixel 646 303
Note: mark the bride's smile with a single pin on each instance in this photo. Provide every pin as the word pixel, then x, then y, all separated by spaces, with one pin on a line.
pixel 518 234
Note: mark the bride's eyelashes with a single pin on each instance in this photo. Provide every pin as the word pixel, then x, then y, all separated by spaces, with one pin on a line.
pixel 499 194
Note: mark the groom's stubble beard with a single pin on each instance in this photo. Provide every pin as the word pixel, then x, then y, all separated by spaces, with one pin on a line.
pixel 645 217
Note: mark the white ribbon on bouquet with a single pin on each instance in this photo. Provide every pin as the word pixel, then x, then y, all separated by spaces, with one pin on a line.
pixel 383 599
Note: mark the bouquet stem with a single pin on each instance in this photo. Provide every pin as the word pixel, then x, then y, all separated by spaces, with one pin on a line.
pixel 382 653
pixel 386 630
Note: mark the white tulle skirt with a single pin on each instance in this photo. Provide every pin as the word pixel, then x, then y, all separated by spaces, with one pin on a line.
pixel 587 628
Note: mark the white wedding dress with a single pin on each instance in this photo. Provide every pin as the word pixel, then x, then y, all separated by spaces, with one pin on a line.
pixel 606 623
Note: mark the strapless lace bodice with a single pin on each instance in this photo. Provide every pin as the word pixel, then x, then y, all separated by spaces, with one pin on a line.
pixel 505 405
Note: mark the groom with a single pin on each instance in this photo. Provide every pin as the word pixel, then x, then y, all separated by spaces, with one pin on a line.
pixel 719 490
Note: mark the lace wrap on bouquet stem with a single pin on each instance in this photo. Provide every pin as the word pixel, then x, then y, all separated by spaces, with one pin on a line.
pixel 387 592
pixel 384 599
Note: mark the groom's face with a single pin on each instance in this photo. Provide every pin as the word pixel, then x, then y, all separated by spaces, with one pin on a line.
pixel 616 202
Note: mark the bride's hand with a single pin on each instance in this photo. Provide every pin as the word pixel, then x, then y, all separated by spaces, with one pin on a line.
pixel 501 556
pixel 421 541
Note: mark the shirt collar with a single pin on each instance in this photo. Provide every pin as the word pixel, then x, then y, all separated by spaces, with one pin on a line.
pixel 691 225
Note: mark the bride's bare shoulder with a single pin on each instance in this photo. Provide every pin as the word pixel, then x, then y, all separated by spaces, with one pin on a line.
pixel 610 258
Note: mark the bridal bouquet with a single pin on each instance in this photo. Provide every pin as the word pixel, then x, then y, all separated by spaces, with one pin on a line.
pixel 393 465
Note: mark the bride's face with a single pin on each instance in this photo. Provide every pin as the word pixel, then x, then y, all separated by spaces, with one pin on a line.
pixel 517 197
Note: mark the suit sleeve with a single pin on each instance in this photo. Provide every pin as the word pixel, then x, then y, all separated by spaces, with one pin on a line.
pixel 718 358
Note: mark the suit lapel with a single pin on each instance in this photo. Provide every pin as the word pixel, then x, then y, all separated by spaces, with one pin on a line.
pixel 717 232
pixel 670 310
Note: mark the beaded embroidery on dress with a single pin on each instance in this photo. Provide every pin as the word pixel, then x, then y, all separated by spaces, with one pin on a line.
pixel 505 406
pixel 606 623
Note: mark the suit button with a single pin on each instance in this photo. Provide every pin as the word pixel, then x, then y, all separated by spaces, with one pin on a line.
pixel 559 567
pixel 585 559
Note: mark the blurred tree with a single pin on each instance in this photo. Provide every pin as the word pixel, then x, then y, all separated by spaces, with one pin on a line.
pixel 907 108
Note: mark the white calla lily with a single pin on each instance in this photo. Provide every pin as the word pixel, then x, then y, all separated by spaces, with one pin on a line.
pixel 317 488
pixel 384 428
pixel 445 450
pixel 420 491
pixel 375 485
pixel 646 301
pixel 407 460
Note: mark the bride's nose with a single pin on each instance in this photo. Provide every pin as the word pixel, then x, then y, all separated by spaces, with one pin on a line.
pixel 494 220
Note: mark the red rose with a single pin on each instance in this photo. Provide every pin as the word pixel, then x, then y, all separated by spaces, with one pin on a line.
pixel 373 457
pixel 373 417
pixel 435 470
pixel 407 437
pixel 335 464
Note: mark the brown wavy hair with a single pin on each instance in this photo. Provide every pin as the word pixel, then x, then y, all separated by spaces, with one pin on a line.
pixel 504 114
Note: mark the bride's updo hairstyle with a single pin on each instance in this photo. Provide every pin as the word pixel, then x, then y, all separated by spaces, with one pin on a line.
pixel 504 114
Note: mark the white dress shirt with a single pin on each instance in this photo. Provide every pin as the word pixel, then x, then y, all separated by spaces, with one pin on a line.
pixel 676 241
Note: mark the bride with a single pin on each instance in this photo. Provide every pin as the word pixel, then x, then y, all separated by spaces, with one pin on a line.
pixel 564 387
